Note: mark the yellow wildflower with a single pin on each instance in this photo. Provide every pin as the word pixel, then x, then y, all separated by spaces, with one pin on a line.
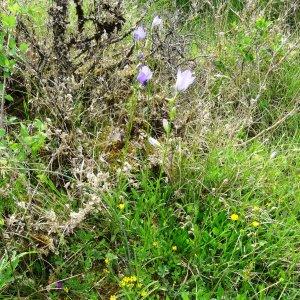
pixel 113 297
pixel 128 281
pixel 174 248
pixel 234 217
pixel 106 271
pixel 106 260
pixel 121 206
pixel 155 244
pixel 255 224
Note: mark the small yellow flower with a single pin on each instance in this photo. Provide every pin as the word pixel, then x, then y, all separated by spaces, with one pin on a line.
pixel 255 224
pixel 107 260
pixel 234 217
pixel 128 281
pixel 121 206
pixel 144 294
pixel 106 271
pixel 113 297
pixel 155 244
pixel 174 248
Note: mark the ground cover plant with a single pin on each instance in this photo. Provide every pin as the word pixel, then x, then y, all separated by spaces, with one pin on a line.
pixel 149 149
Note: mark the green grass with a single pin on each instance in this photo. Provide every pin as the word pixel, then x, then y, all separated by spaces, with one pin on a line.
pixel 178 239
pixel 216 220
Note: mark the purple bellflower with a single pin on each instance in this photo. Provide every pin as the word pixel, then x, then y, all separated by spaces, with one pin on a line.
pixel 184 80
pixel 145 74
pixel 59 284
pixel 139 33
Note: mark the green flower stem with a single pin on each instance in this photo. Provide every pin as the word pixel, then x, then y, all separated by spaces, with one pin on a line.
pixel 3 90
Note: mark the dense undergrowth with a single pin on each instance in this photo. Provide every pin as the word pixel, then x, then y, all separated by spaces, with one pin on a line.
pixel 113 189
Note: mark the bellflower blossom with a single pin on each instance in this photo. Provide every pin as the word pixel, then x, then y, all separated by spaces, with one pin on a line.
pixel 59 284
pixel 157 22
pixel 184 80
pixel 145 74
pixel 139 33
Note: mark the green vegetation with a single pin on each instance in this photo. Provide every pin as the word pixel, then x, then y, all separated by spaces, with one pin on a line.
pixel 114 190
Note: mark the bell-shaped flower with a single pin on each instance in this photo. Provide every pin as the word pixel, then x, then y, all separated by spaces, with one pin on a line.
pixel 157 22
pixel 145 74
pixel 59 284
pixel 139 33
pixel 184 80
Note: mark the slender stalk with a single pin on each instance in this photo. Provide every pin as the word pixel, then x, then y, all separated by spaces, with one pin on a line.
pixel 3 90
pixel 167 147
pixel 2 102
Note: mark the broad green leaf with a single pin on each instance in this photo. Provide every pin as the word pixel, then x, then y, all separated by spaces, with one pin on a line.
pixel 185 296
pixel 12 44
pixel 23 47
pixel 15 8
pixel 9 21
pixel 12 63
pixel 40 125
pixel 9 97
pixel 4 62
